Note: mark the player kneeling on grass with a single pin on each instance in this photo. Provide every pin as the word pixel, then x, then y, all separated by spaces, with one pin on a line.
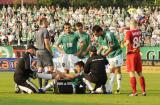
pixel 94 71
pixel 23 72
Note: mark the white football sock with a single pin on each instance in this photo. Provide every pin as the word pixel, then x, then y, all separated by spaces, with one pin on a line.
pixel 111 81
pixel 44 76
pixel 88 84
pixel 99 90
pixel 119 78
pixel 48 86
pixel 107 86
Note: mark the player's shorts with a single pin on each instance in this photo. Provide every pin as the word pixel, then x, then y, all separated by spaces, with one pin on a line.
pixel 134 62
pixel 107 68
pixel 116 61
pixel 44 58
pixel 68 61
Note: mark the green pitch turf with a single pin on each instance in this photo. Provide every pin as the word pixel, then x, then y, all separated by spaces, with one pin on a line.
pixel 8 97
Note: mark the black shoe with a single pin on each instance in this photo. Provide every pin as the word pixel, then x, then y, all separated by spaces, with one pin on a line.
pixel 41 91
pixel 117 92
pixel 144 94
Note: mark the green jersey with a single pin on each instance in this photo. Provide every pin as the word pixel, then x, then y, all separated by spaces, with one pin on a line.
pixel 107 38
pixel 68 42
pixel 102 44
pixel 85 39
pixel 77 81
pixel 79 85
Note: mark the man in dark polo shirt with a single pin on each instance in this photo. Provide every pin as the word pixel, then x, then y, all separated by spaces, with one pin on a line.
pixel 95 69
pixel 23 72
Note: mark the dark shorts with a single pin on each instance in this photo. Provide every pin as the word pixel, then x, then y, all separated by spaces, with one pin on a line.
pixel 44 58
pixel 99 80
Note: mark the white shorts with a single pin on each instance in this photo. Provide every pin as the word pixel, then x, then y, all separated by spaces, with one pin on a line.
pixel 68 61
pixel 116 61
pixel 107 68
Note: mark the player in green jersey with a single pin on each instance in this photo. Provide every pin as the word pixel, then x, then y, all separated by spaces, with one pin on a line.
pixel 67 46
pixel 83 42
pixel 77 79
pixel 114 55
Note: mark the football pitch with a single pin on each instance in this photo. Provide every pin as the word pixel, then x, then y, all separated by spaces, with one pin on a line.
pixel 8 97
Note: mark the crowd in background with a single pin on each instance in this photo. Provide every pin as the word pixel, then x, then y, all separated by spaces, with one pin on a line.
pixel 18 25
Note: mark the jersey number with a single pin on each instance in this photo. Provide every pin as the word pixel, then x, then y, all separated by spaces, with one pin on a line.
pixel 136 42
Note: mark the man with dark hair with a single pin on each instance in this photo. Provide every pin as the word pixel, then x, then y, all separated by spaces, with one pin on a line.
pixel 97 29
pixel 67 46
pixel 23 72
pixel 83 42
pixel 113 54
pixel 78 65
pixel 95 69
pixel 77 79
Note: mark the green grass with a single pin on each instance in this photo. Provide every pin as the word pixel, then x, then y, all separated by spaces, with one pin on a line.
pixel 8 97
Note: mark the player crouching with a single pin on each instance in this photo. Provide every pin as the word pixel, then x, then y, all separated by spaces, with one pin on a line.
pixel 23 72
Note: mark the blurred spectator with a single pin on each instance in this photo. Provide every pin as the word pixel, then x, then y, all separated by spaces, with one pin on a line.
pixel 23 22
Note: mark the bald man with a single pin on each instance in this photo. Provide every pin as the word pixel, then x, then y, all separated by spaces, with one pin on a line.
pixel 133 57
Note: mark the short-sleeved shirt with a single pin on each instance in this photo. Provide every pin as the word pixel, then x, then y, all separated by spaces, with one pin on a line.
pixel 102 43
pixel 108 37
pixel 43 55
pixel 134 37
pixel 84 37
pixel 69 42
pixel 41 34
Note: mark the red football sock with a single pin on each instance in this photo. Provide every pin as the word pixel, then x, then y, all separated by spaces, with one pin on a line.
pixel 133 84
pixel 142 83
